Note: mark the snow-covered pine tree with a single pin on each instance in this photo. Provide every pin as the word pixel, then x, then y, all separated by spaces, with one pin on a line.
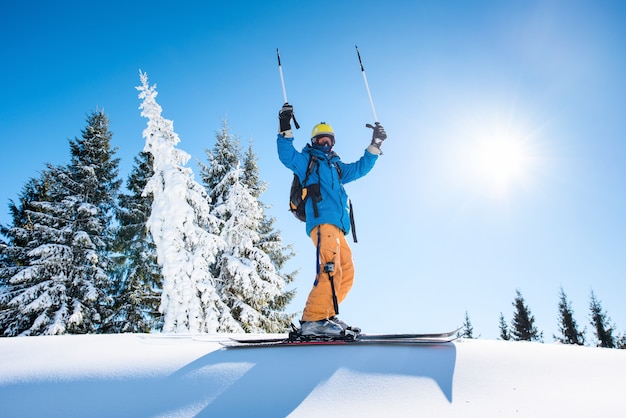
pixel 63 285
pixel 250 175
pixel 15 254
pixel 222 160
pixel 93 172
pixel 251 241
pixel 271 241
pixel 182 227
pixel 248 279
pixel 567 323
pixel 601 323
pixel 504 329
pixel 523 325
pixel 137 278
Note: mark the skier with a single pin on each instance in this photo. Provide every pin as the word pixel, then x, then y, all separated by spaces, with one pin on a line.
pixel 327 218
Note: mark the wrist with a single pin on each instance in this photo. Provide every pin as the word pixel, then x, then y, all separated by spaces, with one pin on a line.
pixel 373 149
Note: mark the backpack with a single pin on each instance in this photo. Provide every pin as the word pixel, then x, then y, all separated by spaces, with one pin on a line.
pixel 300 193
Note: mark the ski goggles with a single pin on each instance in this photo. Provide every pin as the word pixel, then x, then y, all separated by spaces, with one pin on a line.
pixel 324 139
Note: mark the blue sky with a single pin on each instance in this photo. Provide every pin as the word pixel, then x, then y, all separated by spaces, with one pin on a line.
pixel 504 168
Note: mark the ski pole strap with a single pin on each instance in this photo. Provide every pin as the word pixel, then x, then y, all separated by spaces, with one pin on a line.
pixel 328 269
pixel 352 224
pixel 317 266
pixel 335 302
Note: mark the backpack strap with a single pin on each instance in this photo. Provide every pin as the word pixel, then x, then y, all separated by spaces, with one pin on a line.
pixel 312 190
pixel 338 169
pixel 309 169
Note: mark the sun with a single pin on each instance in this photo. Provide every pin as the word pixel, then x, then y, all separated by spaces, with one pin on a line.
pixel 500 163
pixel 493 150
pixel 494 160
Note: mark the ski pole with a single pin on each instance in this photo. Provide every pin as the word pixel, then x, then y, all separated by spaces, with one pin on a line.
pixel 282 82
pixel 367 87
pixel 328 269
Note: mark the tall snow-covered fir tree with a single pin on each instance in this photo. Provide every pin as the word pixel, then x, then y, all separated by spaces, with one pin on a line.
pixel 523 325
pixel 249 282
pixel 183 229
pixel 62 284
pixel 137 278
pixel 222 160
pixel 249 268
pixel 567 324
pixel 270 238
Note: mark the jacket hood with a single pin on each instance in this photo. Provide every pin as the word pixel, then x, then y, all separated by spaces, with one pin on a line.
pixel 331 156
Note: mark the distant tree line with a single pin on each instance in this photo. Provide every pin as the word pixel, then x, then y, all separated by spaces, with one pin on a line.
pixel 80 255
pixel 523 328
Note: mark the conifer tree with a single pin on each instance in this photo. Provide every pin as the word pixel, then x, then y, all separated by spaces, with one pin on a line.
pixel 93 173
pixel 248 269
pixel 15 254
pixel 14 251
pixel 250 175
pixel 248 279
pixel 567 323
pixel 138 280
pixel 523 324
pixel 222 160
pixel 184 230
pixel 468 330
pixel 62 286
pixel 270 240
pixel 504 329
pixel 601 323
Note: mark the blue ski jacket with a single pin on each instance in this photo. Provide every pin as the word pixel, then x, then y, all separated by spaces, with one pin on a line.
pixel 333 208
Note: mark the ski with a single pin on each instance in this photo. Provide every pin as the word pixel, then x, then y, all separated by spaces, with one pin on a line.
pixel 360 339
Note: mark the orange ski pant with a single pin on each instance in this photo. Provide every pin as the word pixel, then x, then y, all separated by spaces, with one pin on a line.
pixel 333 248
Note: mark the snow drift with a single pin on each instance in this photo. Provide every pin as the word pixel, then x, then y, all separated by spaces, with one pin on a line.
pixel 136 375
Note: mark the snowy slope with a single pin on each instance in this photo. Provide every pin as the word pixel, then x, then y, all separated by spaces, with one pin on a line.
pixel 171 375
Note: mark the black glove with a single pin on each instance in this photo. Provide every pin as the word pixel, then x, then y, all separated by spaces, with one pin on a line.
pixel 284 117
pixel 379 134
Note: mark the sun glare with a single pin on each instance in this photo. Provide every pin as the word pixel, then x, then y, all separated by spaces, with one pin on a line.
pixel 499 163
pixel 494 161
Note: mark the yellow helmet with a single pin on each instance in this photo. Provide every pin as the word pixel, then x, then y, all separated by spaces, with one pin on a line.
pixel 322 129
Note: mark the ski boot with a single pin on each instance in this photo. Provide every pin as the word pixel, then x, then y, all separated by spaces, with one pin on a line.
pixel 321 328
pixel 344 326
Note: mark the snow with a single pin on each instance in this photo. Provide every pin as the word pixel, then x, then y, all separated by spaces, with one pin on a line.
pixel 174 375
